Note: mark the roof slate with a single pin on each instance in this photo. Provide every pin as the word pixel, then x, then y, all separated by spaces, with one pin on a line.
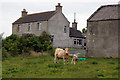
pixel 75 33
pixel 43 16
pixel 106 12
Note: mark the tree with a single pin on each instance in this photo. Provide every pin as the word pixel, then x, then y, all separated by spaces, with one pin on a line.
pixel 84 30
pixel 44 37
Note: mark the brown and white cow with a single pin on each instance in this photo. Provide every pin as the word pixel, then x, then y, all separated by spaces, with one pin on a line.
pixel 61 54
pixel 75 58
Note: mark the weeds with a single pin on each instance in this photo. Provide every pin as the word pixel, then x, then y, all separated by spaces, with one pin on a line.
pixel 94 62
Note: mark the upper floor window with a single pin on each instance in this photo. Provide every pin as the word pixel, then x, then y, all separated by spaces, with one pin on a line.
pixel 29 27
pixel 65 29
pixel 19 28
pixel 39 26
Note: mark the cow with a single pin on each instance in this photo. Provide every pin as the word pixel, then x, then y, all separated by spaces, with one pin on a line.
pixel 75 58
pixel 61 54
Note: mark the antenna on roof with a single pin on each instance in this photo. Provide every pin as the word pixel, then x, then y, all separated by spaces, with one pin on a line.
pixel 74 17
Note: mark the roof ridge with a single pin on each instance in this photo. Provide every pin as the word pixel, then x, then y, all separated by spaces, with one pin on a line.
pixel 110 5
pixel 102 6
pixel 40 13
pixel 51 12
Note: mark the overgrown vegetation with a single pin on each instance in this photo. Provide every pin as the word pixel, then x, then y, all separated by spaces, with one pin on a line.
pixel 16 45
pixel 44 67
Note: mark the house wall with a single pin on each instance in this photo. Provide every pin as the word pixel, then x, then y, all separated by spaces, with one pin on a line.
pixel 56 26
pixel 34 28
pixel 102 38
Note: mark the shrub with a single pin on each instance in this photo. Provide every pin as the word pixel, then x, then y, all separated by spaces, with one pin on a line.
pixel 4 53
pixel 16 45
pixel 13 49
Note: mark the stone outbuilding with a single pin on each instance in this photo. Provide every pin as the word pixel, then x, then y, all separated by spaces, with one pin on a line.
pixel 102 32
pixel 54 23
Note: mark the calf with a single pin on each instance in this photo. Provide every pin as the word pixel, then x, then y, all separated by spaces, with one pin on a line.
pixel 75 58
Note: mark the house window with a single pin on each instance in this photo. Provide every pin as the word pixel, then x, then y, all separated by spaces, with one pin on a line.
pixel 19 28
pixel 29 27
pixel 75 41
pixel 52 38
pixel 39 26
pixel 84 44
pixel 65 29
pixel 80 42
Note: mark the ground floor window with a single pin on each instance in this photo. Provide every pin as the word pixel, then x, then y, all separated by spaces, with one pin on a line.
pixel 84 44
pixel 78 41
pixel 74 41
pixel 52 38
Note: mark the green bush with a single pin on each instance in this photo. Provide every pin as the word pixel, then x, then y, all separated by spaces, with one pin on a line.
pixel 17 45
pixel 4 53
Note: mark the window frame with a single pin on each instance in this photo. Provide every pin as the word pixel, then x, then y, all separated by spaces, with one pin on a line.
pixel 75 42
pixel 39 26
pixel 29 27
pixel 65 29
pixel 52 38
pixel 19 28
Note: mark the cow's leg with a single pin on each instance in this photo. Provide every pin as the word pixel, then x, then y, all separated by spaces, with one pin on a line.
pixel 74 61
pixel 57 60
pixel 64 60
pixel 67 61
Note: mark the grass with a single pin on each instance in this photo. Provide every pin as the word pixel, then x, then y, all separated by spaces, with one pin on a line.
pixel 43 67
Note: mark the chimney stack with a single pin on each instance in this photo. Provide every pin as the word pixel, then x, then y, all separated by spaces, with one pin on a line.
pixel 58 8
pixel 24 12
pixel 74 24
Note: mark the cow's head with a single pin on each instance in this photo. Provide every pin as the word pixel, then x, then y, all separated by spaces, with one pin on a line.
pixel 67 51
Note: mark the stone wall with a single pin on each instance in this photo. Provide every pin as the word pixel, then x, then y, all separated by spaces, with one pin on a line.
pixel 56 27
pixel 34 28
pixel 102 38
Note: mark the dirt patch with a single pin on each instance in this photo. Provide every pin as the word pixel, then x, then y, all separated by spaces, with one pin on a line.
pixel 33 53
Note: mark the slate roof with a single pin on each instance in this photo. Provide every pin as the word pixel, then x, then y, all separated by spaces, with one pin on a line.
pixel 105 12
pixel 75 33
pixel 43 16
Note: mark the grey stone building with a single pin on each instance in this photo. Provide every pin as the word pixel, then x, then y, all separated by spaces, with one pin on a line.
pixel 102 32
pixel 54 23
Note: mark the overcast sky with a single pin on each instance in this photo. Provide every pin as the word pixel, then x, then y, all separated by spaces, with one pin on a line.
pixel 10 10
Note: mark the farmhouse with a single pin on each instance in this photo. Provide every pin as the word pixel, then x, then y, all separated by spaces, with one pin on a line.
pixel 102 33
pixel 54 23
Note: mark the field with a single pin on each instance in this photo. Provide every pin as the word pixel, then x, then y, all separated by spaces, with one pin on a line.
pixel 43 67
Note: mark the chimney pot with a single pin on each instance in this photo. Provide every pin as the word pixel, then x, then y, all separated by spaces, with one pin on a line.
pixel 58 4
pixel 58 8
pixel 24 12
